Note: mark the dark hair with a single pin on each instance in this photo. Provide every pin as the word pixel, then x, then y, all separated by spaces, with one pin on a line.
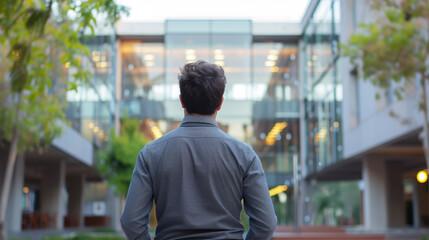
pixel 202 86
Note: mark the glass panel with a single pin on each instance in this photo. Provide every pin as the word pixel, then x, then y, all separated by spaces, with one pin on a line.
pixel 322 88
pixel 90 107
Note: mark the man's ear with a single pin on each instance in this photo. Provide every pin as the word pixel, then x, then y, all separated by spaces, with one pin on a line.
pixel 181 102
pixel 220 105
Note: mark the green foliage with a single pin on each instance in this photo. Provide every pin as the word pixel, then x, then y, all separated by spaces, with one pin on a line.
pixel 118 160
pixel 104 230
pixel 394 48
pixel 41 52
pixel 336 200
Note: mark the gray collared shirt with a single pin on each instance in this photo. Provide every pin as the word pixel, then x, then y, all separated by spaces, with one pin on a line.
pixel 198 176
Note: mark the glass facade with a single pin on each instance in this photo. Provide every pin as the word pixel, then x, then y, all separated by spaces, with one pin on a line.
pixel 322 87
pixel 91 108
pixel 261 104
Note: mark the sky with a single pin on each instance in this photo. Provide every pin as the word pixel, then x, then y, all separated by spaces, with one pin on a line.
pixel 256 10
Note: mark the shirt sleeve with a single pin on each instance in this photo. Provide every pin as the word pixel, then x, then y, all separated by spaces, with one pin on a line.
pixel 257 203
pixel 135 218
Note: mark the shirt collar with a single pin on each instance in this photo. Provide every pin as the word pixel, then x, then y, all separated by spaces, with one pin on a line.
pixel 192 120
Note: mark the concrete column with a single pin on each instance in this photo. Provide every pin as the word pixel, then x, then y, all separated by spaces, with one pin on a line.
pixel 14 204
pixel 416 209
pixel 395 195
pixel 75 189
pixel 375 207
pixel 423 204
pixel 114 209
pixel 51 186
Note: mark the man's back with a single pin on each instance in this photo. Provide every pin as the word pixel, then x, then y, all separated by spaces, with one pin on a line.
pixel 199 176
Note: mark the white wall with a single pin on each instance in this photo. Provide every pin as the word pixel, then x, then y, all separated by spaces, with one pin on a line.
pixel 375 126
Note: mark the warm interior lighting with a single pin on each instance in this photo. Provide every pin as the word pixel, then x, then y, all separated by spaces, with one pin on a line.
pixel 156 131
pixel 422 176
pixel 321 135
pixel 273 52
pixel 220 63
pixel 278 128
pixel 149 57
pixel 270 63
pixel 219 57
pixel 218 51
pixel 96 58
pixel 272 57
pixel 190 57
pixel 101 64
pixel 91 125
pixel 314 57
pixel 25 190
pixel 150 64
pixel 277 190
pixel 189 51
pixel 96 129
pixel 274 69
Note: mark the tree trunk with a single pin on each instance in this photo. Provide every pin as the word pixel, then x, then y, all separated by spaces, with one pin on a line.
pixel 7 182
pixel 425 123
pixel 9 171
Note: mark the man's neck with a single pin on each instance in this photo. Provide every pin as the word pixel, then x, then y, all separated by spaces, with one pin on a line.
pixel 195 114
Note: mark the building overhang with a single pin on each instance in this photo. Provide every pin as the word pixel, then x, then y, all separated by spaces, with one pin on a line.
pixel 407 150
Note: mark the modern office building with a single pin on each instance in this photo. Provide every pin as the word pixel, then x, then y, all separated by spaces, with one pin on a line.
pixel 289 95
pixel 348 134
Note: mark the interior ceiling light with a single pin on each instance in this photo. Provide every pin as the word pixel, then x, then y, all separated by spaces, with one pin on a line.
pixel 191 57
pixel 270 63
pixel 278 128
pixel 272 57
pixel 190 51
pixel 321 135
pixel 219 57
pixel 277 190
pixel 422 176
pixel 274 69
pixel 218 51
pixel 220 63
pixel 148 57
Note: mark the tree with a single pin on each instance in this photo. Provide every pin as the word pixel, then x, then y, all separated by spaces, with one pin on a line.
pixel 118 161
pixel 40 45
pixel 334 200
pixel 393 51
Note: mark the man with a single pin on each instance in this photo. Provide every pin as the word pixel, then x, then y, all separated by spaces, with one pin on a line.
pixel 197 174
